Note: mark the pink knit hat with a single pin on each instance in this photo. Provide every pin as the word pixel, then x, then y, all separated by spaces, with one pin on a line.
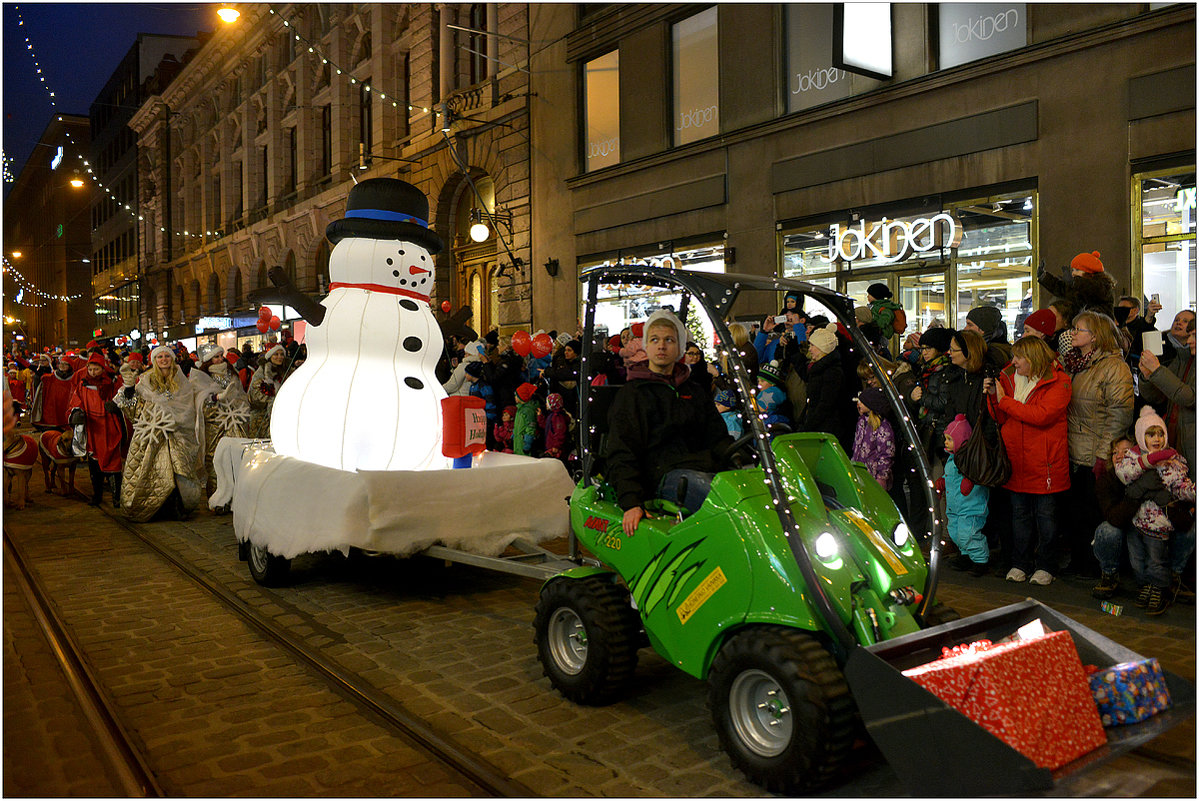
pixel 959 431
pixel 1146 421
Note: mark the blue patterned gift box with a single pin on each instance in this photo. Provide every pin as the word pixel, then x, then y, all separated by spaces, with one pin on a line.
pixel 1130 692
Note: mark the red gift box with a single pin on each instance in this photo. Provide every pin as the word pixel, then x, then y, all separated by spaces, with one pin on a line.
pixel 1032 694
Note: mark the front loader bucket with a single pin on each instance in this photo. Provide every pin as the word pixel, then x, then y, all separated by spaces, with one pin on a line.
pixel 937 751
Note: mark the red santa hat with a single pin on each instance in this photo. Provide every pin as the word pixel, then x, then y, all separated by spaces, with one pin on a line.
pixel 96 358
pixel 135 356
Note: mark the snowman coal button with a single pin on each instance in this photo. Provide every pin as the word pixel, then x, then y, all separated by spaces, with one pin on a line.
pixel 412 344
pixel 409 305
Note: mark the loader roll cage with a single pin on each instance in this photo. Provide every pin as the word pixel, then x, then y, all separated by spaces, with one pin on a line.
pixel 716 293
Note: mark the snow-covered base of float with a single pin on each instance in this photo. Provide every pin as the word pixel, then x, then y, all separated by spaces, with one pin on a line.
pixel 292 507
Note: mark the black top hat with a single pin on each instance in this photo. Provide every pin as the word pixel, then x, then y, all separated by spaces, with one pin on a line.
pixel 386 208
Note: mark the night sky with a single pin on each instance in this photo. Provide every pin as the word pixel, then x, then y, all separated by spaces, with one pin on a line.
pixel 78 45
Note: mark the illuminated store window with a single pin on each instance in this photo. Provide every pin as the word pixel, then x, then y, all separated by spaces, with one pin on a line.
pixel 620 306
pixel 601 101
pixel 696 80
pixel 938 264
pixel 1164 240
pixel 970 31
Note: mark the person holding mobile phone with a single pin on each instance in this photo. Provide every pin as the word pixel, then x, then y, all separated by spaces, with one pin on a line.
pixel 1132 325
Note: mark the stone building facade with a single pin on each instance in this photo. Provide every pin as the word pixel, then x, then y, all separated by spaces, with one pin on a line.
pixel 726 137
pixel 251 151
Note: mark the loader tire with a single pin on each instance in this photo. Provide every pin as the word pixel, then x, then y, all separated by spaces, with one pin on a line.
pixel 587 635
pixel 782 708
pixel 940 613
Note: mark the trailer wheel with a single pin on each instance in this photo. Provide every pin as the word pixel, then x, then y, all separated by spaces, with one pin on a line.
pixel 266 568
pixel 587 636
pixel 938 614
pixel 782 709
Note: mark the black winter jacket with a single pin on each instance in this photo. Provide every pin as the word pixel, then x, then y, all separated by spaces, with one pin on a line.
pixel 658 424
pixel 824 379
pixel 1094 291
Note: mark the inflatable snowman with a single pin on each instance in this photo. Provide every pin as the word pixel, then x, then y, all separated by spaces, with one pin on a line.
pixel 367 397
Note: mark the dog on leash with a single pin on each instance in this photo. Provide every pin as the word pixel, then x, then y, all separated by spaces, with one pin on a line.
pixel 58 461
pixel 20 454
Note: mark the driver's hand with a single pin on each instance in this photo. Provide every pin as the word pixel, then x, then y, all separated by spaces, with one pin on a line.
pixel 632 518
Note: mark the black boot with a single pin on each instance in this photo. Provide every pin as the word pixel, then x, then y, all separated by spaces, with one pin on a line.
pixel 116 490
pixel 93 469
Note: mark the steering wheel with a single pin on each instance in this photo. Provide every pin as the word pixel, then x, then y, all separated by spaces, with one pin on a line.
pixel 740 452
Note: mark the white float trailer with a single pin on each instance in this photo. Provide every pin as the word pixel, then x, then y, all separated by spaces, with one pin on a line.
pixel 283 508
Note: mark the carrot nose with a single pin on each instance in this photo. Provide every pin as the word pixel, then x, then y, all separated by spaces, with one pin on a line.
pixel 414 270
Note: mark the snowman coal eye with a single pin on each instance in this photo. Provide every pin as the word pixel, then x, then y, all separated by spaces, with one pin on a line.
pixel 400 252
pixel 422 258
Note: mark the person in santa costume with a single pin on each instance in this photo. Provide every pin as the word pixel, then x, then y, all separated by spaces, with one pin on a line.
pixel 107 438
pixel 50 401
pixel 226 407
pixel 165 463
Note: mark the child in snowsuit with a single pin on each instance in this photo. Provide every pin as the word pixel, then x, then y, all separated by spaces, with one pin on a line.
pixel 772 403
pixel 874 439
pixel 966 504
pixel 728 412
pixel 505 429
pixel 1148 549
pixel 632 352
pixel 557 429
pixel 528 409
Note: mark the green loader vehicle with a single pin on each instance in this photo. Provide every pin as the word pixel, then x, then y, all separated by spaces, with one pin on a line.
pixel 783 591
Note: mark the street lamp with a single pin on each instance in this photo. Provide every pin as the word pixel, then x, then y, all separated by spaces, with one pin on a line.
pixel 77 182
pixel 228 14
pixel 16 254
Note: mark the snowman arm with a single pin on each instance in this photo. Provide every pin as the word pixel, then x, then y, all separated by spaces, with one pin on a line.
pixel 287 293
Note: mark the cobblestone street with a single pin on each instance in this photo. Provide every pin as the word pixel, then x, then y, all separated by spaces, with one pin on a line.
pixel 222 711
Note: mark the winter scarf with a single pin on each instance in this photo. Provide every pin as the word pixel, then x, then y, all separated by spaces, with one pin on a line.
pixel 936 365
pixel 1074 361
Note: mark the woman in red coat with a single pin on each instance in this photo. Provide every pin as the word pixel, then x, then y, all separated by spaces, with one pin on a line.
pixel 91 404
pixel 1029 401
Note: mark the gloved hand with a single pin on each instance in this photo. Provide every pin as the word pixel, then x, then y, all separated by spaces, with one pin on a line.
pixel 1040 270
pixel 76 417
pixel 128 375
pixel 111 407
pixel 940 485
pixel 1165 454
pixel 1098 469
pixel 128 393
pixel 966 486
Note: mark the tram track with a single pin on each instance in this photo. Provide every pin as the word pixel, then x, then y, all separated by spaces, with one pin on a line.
pixel 470 768
pixel 127 764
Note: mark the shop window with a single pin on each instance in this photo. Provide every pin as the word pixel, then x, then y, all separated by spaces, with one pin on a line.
pixel 970 31
pixel 618 307
pixel 601 100
pixel 696 81
pixel 1164 240
pixel 938 264
pixel 811 78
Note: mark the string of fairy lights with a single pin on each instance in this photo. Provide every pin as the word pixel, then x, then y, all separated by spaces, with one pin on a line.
pixel 313 48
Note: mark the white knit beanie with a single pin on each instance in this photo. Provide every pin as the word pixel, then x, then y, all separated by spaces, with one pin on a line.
pixel 668 316
pixel 825 338
pixel 161 349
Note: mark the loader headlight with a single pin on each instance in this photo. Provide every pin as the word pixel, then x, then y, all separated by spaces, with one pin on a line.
pixel 901 535
pixel 826 546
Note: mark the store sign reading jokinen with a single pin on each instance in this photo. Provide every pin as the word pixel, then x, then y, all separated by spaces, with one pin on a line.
pixel 893 241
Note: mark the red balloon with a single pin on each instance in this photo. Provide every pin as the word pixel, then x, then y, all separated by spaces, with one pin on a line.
pixel 522 343
pixel 542 345
pixel 262 326
pixel 264 313
pixel 275 323
pixel 445 306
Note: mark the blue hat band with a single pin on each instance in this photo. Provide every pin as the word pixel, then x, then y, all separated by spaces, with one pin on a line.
pixel 390 216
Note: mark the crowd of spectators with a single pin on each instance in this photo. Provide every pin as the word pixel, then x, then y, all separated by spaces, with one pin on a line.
pixel 1085 409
